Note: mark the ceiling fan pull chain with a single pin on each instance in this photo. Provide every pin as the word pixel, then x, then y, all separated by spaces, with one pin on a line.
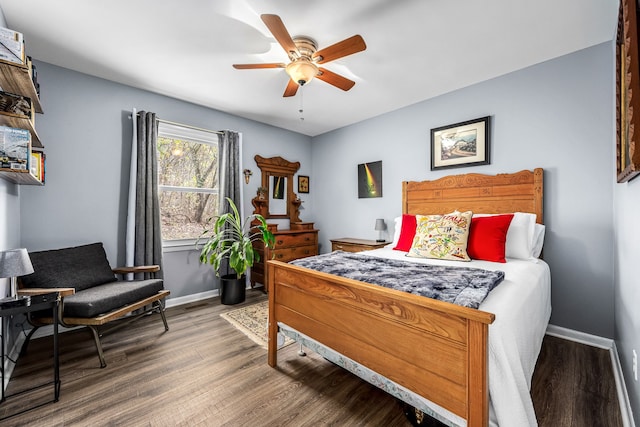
pixel 301 110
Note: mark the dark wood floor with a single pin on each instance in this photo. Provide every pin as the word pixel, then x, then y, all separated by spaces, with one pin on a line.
pixel 204 372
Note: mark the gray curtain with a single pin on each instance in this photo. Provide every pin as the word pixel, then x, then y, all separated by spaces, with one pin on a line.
pixel 229 169
pixel 229 176
pixel 148 238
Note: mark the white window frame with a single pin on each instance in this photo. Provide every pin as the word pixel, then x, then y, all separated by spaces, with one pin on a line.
pixel 204 136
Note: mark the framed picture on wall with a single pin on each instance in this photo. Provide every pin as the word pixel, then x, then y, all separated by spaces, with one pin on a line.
pixel 303 184
pixel 370 180
pixel 460 144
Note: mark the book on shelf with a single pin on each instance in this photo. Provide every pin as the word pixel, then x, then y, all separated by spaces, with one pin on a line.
pixel 38 161
pixel 12 46
pixel 35 166
pixel 15 148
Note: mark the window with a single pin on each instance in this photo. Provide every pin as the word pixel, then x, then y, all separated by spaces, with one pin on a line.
pixel 187 181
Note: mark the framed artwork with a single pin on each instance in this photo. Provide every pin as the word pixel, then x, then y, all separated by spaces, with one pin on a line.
pixel 627 93
pixel 460 144
pixel 303 184
pixel 370 180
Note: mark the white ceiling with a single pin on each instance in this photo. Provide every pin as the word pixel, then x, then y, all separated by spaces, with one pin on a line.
pixel 416 49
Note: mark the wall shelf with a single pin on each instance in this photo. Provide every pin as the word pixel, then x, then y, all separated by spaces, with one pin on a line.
pixel 19 177
pixel 16 78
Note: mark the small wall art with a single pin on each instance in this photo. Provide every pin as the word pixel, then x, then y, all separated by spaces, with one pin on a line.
pixel 370 180
pixel 460 144
pixel 303 184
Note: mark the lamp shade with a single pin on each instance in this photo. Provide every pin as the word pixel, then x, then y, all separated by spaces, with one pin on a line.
pixel 15 262
pixel 380 225
pixel 301 71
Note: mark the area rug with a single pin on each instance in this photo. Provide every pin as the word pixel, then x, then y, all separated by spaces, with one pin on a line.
pixel 252 320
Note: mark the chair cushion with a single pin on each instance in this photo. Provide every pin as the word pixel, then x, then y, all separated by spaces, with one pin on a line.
pixel 110 296
pixel 79 267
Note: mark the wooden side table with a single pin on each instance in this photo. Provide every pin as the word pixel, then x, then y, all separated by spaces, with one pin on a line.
pixel 349 244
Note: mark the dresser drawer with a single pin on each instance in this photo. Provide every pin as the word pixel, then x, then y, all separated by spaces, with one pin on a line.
pixel 289 254
pixel 297 239
pixel 349 244
pixel 349 247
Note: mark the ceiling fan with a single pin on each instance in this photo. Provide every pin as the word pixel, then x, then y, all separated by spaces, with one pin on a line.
pixel 304 57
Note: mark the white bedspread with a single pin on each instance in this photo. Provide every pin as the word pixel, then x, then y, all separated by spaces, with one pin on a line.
pixel 522 306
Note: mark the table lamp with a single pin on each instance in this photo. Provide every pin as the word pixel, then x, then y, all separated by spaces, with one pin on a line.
pixel 380 227
pixel 14 263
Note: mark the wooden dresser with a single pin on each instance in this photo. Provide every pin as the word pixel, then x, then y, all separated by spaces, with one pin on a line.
pixel 299 242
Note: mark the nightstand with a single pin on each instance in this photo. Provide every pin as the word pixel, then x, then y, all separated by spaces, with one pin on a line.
pixel 348 244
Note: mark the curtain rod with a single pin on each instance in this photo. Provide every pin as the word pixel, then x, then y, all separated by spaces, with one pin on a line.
pixel 186 126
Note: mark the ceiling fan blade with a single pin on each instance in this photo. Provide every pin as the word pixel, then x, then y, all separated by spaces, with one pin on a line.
pixel 254 66
pixel 335 79
pixel 279 31
pixel 341 49
pixel 292 88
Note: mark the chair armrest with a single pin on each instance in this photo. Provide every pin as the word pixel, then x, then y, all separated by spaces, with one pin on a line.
pixel 41 291
pixel 137 269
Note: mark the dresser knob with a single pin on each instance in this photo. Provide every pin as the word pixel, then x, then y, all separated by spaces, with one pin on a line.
pixel 279 256
pixel 307 239
pixel 280 242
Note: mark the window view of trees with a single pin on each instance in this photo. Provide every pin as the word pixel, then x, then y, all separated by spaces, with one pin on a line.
pixel 188 185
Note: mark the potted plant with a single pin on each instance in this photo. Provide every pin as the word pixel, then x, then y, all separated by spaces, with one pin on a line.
pixel 262 192
pixel 232 240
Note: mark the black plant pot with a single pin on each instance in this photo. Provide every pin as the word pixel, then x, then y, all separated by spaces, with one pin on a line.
pixel 232 289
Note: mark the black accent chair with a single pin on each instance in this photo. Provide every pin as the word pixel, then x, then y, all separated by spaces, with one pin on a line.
pixel 91 294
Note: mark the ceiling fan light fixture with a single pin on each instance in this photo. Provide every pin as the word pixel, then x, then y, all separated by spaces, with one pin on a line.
pixel 302 71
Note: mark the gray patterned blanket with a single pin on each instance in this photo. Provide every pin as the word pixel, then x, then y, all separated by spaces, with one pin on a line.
pixel 463 286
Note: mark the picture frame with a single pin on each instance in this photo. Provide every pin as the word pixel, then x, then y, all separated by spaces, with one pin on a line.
pixel 303 184
pixel 460 144
pixel 370 180
pixel 627 93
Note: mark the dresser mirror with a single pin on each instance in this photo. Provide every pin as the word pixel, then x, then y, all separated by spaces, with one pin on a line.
pixel 277 177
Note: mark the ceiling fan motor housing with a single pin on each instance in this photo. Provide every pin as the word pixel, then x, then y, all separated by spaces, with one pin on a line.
pixel 306 47
pixel 302 68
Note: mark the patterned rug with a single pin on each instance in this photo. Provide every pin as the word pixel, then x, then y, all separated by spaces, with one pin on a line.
pixel 252 320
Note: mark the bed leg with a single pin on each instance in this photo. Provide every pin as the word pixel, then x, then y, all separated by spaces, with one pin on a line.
pixel 417 418
pixel 301 352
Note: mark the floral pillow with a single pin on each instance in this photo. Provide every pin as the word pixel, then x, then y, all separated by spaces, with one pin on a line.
pixel 442 236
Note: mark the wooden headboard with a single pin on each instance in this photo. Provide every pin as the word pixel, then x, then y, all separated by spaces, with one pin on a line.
pixel 507 192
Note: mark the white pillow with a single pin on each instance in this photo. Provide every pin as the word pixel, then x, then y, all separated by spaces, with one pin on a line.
pixel 519 242
pixel 538 240
pixel 396 231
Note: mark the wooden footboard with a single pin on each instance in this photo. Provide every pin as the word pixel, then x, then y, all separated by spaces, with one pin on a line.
pixel 438 350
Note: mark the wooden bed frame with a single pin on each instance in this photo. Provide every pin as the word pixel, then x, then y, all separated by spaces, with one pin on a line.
pixel 435 349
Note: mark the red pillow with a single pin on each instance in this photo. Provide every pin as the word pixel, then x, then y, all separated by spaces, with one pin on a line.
pixel 407 232
pixel 487 237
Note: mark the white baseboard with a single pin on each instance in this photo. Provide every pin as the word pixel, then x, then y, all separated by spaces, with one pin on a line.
pixel 607 344
pixel 174 302
pixel 581 337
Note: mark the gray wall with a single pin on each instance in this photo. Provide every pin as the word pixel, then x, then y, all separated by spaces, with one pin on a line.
pixel 627 285
pixel 86 130
pixel 555 115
